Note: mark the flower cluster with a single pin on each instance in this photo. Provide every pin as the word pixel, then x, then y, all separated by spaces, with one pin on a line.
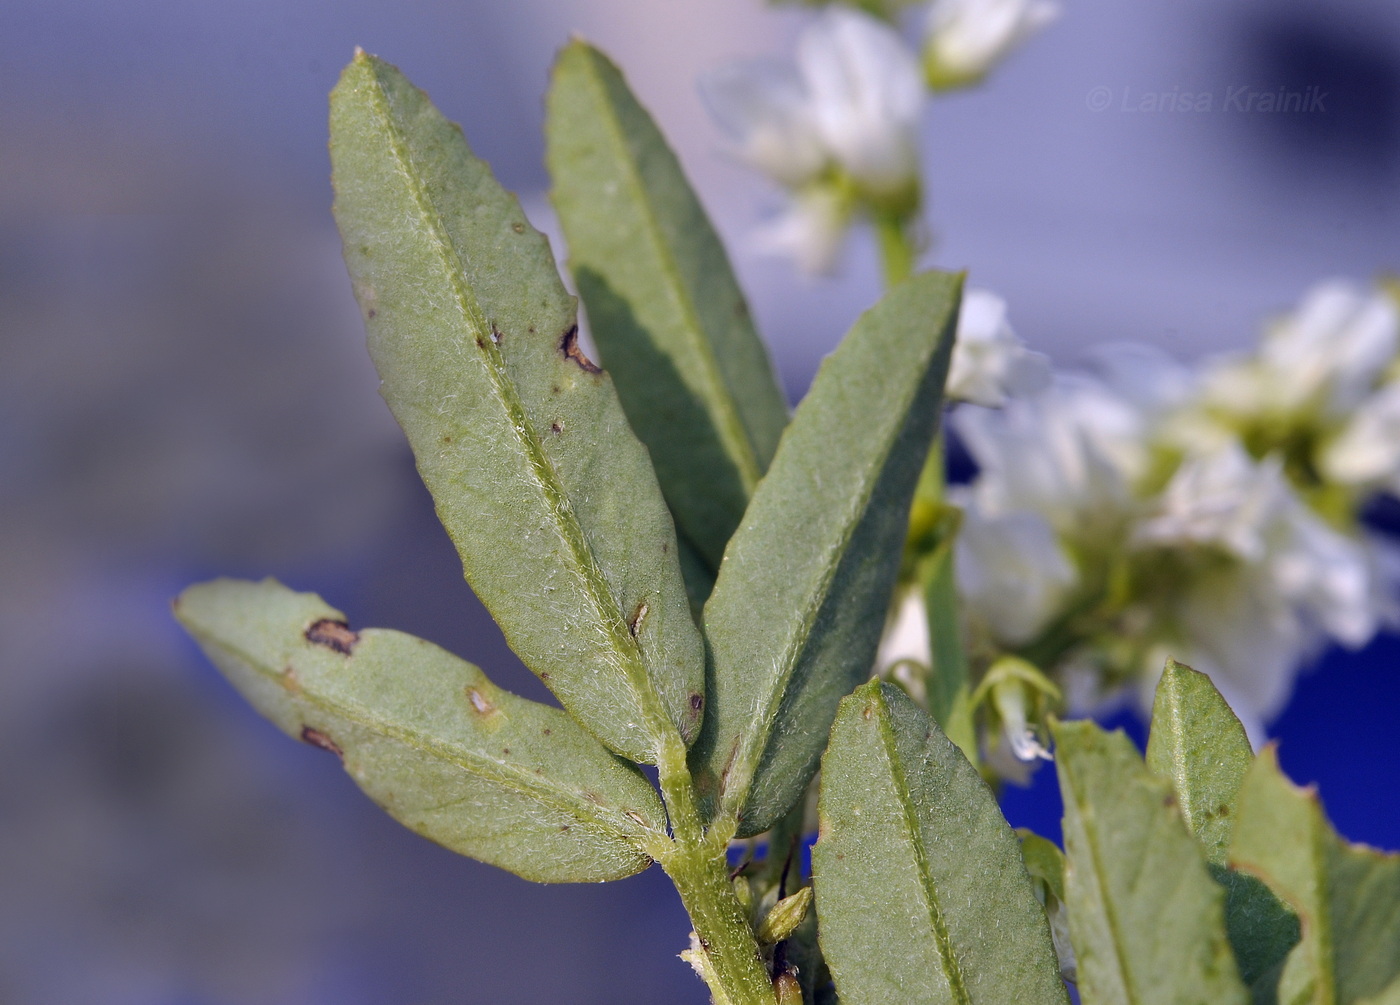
pixel 837 126
pixel 1143 509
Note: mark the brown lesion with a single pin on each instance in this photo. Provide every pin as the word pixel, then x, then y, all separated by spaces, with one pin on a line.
pixel 334 635
pixel 317 738
pixel 634 623
pixel 568 345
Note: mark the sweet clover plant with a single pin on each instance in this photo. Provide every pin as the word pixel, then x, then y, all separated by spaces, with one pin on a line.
pixel 703 582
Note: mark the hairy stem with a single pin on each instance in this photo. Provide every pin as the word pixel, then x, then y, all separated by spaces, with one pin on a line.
pixel 697 863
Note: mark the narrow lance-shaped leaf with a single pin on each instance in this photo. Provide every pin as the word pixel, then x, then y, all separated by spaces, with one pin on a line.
pixel 541 484
pixel 1347 896
pixel 663 305
pixel 797 611
pixel 488 774
pixel 1146 920
pixel 1199 744
pixel 921 892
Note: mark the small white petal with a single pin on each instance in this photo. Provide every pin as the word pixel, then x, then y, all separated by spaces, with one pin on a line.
pixel 810 230
pixel 1367 450
pixel 1224 499
pixel 1332 349
pixel 764 107
pixel 867 93
pixel 907 636
pixel 965 38
pixel 1012 573
pixel 990 364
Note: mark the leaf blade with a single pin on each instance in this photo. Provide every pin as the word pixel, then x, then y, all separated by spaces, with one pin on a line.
pixel 1346 896
pixel 664 307
pixel 1198 744
pixel 921 891
pixel 1131 867
pixel 429 738
pixel 796 613
pixel 548 496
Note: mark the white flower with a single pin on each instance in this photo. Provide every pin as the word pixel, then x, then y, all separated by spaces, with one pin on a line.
pixel 1070 453
pixel 809 230
pixel 1223 499
pixel 907 636
pixel 989 362
pixel 1013 575
pixel 1333 348
pixel 1327 576
pixel 965 38
pixel 1367 450
pixel 1325 358
pixel 866 94
pixel 765 108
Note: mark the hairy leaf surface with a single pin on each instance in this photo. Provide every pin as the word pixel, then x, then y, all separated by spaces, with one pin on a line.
pixel 1146 919
pixel 1347 896
pixel 1199 744
pixel 484 772
pixel 921 891
pixel 663 305
pixel 549 497
pixel 796 613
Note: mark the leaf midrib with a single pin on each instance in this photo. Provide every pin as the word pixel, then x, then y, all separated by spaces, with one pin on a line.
pixel 957 986
pixel 732 428
pixel 1104 900
pixel 515 779
pixel 566 524
pixel 765 713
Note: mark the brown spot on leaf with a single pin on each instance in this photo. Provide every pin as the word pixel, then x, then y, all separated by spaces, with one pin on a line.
pixel 518 227
pixel 548 732
pixel 495 335
pixel 568 345
pixel 866 712
pixel 333 634
pixel 505 750
pixel 447 439
pixel 634 623
pixel 697 702
pixel 556 427
pixel 319 739
pixel 635 816
pixel 544 676
pixel 480 342
pixel 371 313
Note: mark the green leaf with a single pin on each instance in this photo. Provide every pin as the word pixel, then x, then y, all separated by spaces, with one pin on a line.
pixel 921 891
pixel 797 611
pixel 1146 920
pixel 537 477
pixel 1347 896
pixel 663 305
pixel 486 773
pixel 1200 746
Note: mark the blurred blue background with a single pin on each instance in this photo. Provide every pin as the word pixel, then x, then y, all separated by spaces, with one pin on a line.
pixel 184 393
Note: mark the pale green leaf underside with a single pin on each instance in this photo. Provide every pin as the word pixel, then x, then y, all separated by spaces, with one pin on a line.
pixel 663 305
pixel 921 892
pixel 797 610
pixel 484 772
pixel 1347 896
pixel 1146 919
pixel 1200 746
pixel 549 497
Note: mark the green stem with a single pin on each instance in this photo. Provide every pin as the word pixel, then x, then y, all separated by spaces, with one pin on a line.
pixel 697 863
pixel 896 248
